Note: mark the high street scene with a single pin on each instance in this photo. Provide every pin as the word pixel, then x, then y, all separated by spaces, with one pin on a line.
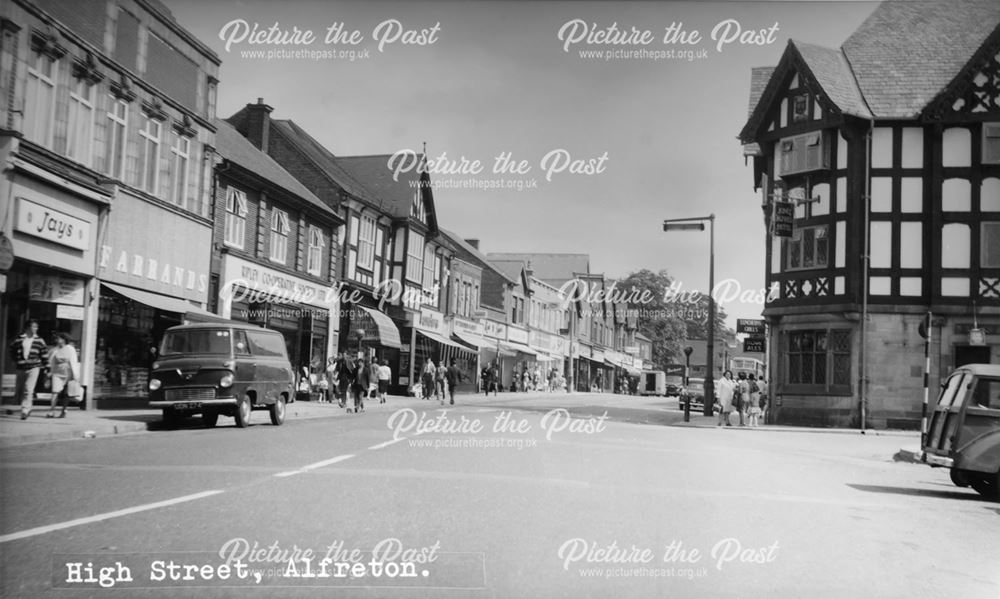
pixel 499 299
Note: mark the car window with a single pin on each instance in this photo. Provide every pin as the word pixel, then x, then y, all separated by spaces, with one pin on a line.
pixel 196 341
pixel 240 344
pixel 266 344
pixel 951 388
pixel 985 394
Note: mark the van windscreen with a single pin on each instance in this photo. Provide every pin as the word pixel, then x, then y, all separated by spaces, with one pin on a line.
pixel 196 341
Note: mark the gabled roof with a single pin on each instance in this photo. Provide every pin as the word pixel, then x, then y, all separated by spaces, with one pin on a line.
pixel 237 149
pixel 512 270
pixel 322 159
pixel 759 76
pixel 830 70
pixel 396 193
pixel 554 269
pixel 464 248
pixel 906 53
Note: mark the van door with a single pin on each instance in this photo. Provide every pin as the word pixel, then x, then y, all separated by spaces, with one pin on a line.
pixel 947 412
pixel 246 366
pixel 982 410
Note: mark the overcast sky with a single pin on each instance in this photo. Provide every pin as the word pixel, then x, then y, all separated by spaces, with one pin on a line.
pixel 496 77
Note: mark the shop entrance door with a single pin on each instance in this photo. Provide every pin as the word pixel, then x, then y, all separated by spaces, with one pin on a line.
pixel 971 354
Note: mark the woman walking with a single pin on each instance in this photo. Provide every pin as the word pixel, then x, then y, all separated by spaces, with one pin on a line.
pixel 725 388
pixel 64 367
pixel 427 379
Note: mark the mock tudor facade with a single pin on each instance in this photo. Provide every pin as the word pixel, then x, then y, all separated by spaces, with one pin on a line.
pixel 888 149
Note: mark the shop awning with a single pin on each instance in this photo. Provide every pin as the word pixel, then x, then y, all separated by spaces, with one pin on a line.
pixel 524 349
pixel 388 333
pixel 442 340
pixel 544 357
pixel 501 348
pixel 472 340
pixel 166 303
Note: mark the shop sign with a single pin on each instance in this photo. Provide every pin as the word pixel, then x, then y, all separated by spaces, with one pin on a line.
pixel 517 335
pixel 754 345
pixel 494 329
pixel 430 320
pixel 597 355
pixel 977 337
pixel 637 362
pixel 750 326
pixel 69 312
pixel 281 287
pixel 631 349
pixel 464 326
pixel 55 288
pixel 51 225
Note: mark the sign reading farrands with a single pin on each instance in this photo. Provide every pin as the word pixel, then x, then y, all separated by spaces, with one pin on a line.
pixel 51 225
pixel 430 320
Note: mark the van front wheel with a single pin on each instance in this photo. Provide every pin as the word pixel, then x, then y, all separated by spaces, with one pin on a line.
pixel 277 410
pixel 243 411
pixel 987 485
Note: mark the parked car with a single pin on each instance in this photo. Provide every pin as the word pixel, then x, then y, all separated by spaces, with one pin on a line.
pixel 695 390
pixel 963 431
pixel 221 369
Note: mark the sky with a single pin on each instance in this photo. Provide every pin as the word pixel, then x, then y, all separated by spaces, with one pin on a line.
pixel 617 115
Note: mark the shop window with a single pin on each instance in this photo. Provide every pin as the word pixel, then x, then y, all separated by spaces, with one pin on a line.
pixel 80 130
pixel 150 153
pixel 366 242
pixel 316 244
pixel 181 159
pixel 117 138
pixel 415 257
pixel 819 358
pixel 808 248
pixel 236 218
pixel 279 236
pixel 40 98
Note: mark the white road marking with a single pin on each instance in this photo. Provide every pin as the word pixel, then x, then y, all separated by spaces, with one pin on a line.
pixel 387 443
pixel 31 532
pixel 316 465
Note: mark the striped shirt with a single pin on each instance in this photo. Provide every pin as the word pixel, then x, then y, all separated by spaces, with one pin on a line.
pixel 36 355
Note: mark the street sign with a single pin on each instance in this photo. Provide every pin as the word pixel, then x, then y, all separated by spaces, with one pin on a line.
pixel 750 326
pixel 753 345
pixel 784 216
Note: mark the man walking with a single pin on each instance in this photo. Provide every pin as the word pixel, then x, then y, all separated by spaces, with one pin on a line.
pixel 29 352
pixel 384 374
pixel 452 377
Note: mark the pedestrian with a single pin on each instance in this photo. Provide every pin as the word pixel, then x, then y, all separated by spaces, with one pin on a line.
pixel 494 378
pixel 345 375
pixel 742 400
pixel 452 377
pixel 725 388
pixel 754 412
pixel 441 381
pixel 484 378
pixel 359 388
pixel 526 380
pixel 64 369
pixel 763 398
pixel 331 379
pixel 384 375
pixel 427 379
pixel 30 355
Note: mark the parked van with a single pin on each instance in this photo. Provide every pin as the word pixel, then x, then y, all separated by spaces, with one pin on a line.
pixel 654 382
pixel 963 433
pixel 221 369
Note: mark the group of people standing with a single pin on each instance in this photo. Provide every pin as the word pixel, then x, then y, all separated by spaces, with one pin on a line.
pixel 439 381
pixel 350 381
pixel 744 395
pixel 61 365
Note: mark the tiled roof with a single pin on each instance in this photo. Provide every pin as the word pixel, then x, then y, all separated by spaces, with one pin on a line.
pixel 551 268
pixel 511 269
pixel 323 159
pixel 473 253
pixel 906 53
pixel 374 173
pixel 232 146
pixel 831 71
pixel 759 76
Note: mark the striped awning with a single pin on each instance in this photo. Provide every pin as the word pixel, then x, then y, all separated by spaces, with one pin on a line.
pixel 388 333
pixel 442 340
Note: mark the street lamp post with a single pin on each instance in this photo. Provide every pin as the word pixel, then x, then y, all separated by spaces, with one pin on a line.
pixel 698 224
pixel 687 371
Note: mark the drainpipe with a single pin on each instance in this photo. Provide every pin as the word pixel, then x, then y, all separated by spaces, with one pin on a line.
pixel 866 261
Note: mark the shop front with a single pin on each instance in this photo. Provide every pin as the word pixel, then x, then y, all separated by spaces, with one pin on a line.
pixel 48 269
pixel 149 283
pixel 496 351
pixel 298 308
pixel 470 334
pixel 430 340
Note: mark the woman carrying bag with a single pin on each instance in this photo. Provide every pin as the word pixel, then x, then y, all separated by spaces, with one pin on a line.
pixel 64 368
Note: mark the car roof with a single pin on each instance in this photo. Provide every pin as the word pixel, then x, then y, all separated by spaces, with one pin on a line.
pixel 220 325
pixel 986 369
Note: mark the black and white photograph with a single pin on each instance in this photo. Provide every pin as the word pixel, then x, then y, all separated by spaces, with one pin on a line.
pixel 500 299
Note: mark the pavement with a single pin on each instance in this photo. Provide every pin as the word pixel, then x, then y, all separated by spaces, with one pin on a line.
pixel 82 424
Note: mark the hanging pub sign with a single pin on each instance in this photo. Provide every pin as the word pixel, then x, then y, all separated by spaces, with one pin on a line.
pixel 750 326
pixel 784 216
pixel 977 337
pixel 753 345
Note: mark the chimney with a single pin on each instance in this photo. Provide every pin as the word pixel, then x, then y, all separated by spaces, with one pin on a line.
pixel 528 270
pixel 473 242
pixel 258 125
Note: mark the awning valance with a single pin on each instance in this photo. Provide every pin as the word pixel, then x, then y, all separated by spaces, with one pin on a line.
pixel 388 333
pixel 165 303
pixel 524 349
pixel 442 340
pixel 471 340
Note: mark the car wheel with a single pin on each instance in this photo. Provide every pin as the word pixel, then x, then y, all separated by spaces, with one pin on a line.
pixel 210 418
pixel 243 412
pixel 959 477
pixel 172 418
pixel 987 485
pixel 277 411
